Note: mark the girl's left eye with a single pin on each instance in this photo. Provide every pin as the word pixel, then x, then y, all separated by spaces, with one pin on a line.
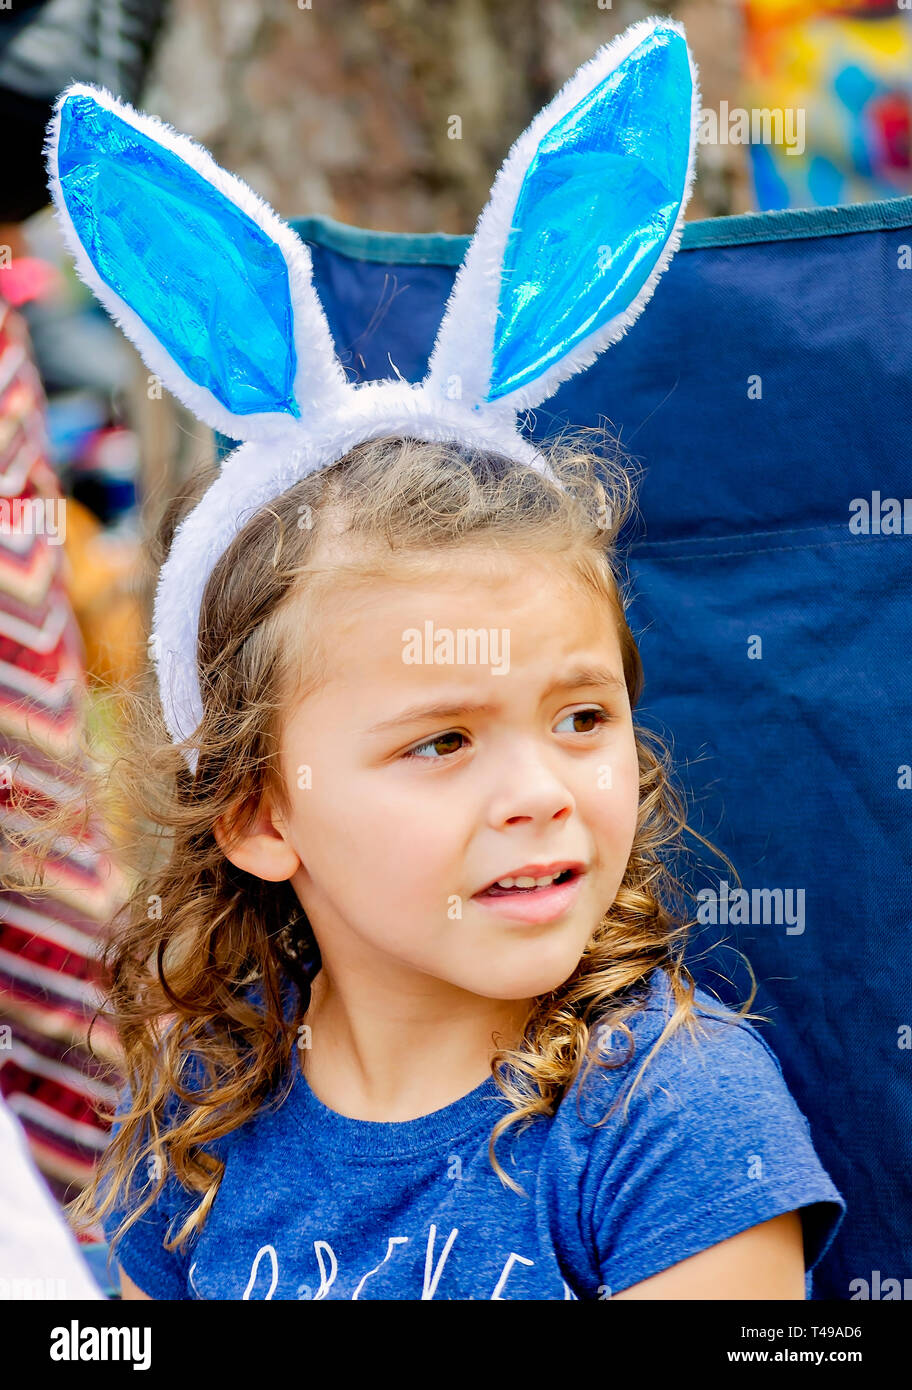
pixel 592 720
pixel 441 746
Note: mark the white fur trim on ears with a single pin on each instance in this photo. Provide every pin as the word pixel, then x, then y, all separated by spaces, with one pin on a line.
pixel 319 379
pixel 465 340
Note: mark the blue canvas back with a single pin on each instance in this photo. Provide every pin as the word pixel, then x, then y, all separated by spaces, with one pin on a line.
pixel 766 387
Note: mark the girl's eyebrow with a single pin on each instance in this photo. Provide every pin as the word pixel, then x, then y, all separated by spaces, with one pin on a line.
pixel 574 680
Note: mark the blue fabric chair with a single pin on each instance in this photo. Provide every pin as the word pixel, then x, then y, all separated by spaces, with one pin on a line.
pixel 766 387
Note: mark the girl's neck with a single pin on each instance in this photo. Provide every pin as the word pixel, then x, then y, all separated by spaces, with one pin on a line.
pixel 386 1066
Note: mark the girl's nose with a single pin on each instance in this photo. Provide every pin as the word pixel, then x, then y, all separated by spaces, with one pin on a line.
pixel 528 792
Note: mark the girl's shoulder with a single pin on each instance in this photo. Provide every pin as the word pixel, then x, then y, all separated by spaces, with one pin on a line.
pixel 718 1031
pixel 717 1067
pixel 702 1142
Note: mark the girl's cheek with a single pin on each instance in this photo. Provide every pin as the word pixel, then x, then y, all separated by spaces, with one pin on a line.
pixel 613 802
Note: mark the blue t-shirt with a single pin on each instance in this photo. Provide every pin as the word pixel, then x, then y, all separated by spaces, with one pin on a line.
pixel 316 1205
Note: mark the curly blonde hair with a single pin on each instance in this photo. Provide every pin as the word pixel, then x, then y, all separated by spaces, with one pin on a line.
pixel 196 932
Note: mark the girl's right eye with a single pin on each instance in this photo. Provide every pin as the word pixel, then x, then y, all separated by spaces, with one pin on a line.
pixel 440 746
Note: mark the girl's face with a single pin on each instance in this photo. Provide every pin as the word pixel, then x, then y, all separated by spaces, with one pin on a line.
pixel 474 729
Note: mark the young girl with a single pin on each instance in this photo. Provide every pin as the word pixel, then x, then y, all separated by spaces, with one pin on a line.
pixel 404 1003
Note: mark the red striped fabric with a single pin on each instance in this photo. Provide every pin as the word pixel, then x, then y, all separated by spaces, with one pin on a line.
pixel 49 942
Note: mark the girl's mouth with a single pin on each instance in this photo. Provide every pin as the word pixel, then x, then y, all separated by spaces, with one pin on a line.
pixel 526 883
pixel 535 893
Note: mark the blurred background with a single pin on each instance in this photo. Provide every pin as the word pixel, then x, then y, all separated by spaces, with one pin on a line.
pixel 392 115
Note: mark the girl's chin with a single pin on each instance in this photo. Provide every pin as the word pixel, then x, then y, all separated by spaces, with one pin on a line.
pixel 526 969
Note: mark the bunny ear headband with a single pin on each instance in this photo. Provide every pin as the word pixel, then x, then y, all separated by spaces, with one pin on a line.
pixel 217 293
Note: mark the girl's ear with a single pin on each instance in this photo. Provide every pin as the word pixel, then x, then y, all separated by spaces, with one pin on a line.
pixel 583 217
pixel 213 288
pixel 261 848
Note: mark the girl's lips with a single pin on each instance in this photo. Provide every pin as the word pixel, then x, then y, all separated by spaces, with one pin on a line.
pixel 532 904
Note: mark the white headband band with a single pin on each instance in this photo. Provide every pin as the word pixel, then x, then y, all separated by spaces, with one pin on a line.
pixel 216 291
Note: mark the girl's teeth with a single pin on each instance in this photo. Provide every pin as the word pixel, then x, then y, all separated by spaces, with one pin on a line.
pixel 526 882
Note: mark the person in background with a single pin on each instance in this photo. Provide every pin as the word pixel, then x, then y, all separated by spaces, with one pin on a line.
pixel 52 1078
pixel 48 944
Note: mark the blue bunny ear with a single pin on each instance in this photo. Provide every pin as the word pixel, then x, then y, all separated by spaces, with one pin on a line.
pixel 213 288
pixel 583 217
